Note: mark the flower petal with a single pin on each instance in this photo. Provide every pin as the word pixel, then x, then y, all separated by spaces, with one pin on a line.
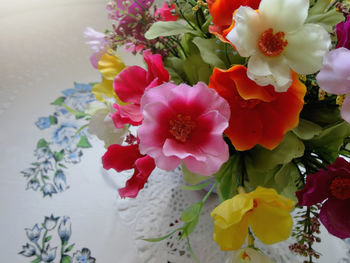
pixel 285 16
pixel 345 109
pixel 246 31
pixel 306 48
pixel 335 216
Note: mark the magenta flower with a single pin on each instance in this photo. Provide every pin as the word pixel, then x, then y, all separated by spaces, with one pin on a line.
pixel 130 85
pixel 166 13
pixel 343 33
pixel 333 186
pixel 184 123
pixel 334 77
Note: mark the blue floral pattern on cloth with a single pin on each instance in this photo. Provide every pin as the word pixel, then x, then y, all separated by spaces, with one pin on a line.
pixel 65 143
pixel 42 247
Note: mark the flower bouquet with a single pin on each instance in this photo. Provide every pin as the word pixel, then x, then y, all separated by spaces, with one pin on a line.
pixel 249 97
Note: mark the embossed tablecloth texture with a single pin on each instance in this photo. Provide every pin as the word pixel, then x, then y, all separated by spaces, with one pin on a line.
pixel 57 203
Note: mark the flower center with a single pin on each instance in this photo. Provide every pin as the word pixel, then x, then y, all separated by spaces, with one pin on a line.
pixel 181 127
pixel 272 44
pixel 244 256
pixel 340 188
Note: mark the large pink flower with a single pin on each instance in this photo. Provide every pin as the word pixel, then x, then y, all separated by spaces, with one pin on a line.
pixel 121 158
pixel 130 85
pixel 184 123
pixel 333 186
pixel 334 77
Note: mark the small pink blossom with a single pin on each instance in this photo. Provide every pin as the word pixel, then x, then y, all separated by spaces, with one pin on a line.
pixel 96 40
pixel 184 123
pixel 166 13
pixel 131 84
pixel 334 77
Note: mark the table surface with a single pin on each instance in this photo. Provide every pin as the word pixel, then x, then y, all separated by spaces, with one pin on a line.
pixel 43 54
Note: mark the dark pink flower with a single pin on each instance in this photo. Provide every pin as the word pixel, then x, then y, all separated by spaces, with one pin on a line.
pixel 343 33
pixel 184 123
pixel 333 186
pixel 166 13
pixel 122 158
pixel 130 85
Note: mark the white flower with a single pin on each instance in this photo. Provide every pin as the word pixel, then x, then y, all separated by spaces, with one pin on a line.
pixel 101 124
pixel 28 250
pixel 50 222
pixel 277 41
pixel 65 229
pixel 34 233
pixel 49 254
pixel 245 255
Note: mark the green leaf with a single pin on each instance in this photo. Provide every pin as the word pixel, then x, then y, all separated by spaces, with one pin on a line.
pixel 53 120
pixel 190 226
pixel 321 114
pixel 320 15
pixel 208 50
pixel 42 143
pixel 35 260
pixel 58 156
pixel 192 178
pixel 77 114
pixel 47 239
pixel 157 239
pixel 306 130
pixel 83 142
pixel 59 101
pixel 196 69
pixel 196 187
pixel 62 165
pixel 192 212
pixel 291 147
pixel 69 248
pixel 66 259
pixel 165 29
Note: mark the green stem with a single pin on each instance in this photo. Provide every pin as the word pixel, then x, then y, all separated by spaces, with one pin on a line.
pixel 44 237
pixel 191 251
pixel 183 16
pixel 37 245
pixel 126 13
pixel 227 56
pixel 209 192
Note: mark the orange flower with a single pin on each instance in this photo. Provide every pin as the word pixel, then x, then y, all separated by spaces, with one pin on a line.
pixel 259 115
pixel 222 13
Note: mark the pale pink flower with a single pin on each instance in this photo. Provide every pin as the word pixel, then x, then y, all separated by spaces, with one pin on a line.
pixel 96 40
pixel 184 123
pixel 334 77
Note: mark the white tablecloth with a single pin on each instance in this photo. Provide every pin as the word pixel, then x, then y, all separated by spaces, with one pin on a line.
pixel 42 53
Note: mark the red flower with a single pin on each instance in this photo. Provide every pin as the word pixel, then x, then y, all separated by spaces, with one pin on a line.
pixel 130 85
pixel 123 158
pixel 222 13
pixel 333 186
pixel 259 115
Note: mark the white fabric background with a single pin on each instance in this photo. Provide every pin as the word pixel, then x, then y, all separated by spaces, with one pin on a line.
pixel 42 52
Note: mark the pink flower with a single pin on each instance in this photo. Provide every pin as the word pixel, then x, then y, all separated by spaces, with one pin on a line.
pixel 343 33
pixel 123 158
pixel 333 186
pixel 98 44
pixel 183 123
pixel 130 85
pixel 166 13
pixel 334 77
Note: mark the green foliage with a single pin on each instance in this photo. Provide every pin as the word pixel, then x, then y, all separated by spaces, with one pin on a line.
pixel 36 260
pixel 77 114
pixel 192 212
pixel 66 259
pixel 69 248
pixel 59 101
pixel 42 143
pixel 196 69
pixel 58 156
pixel 226 177
pixel 192 178
pixel 165 29
pixel 291 147
pixel 306 130
pixel 208 50
pixel 83 142
pixel 320 14
pixel 53 120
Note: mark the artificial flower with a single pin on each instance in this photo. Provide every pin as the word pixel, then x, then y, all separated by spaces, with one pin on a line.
pixel 101 124
pixel 343 33
pixel 277 42
pixel 184 123
pixel 334 77
pixel 98 43
pixel 332 185
pixel 222 12
pixel 65 229
pixel 265 211
pixel 247 254
pixel 259 115
pixel 130 85
pixel 166 13
pixel 109 65
pixel 122 158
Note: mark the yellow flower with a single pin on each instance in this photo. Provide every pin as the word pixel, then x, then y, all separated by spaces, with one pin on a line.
pixel 265 211
pixel 246 255
pixel 110 65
